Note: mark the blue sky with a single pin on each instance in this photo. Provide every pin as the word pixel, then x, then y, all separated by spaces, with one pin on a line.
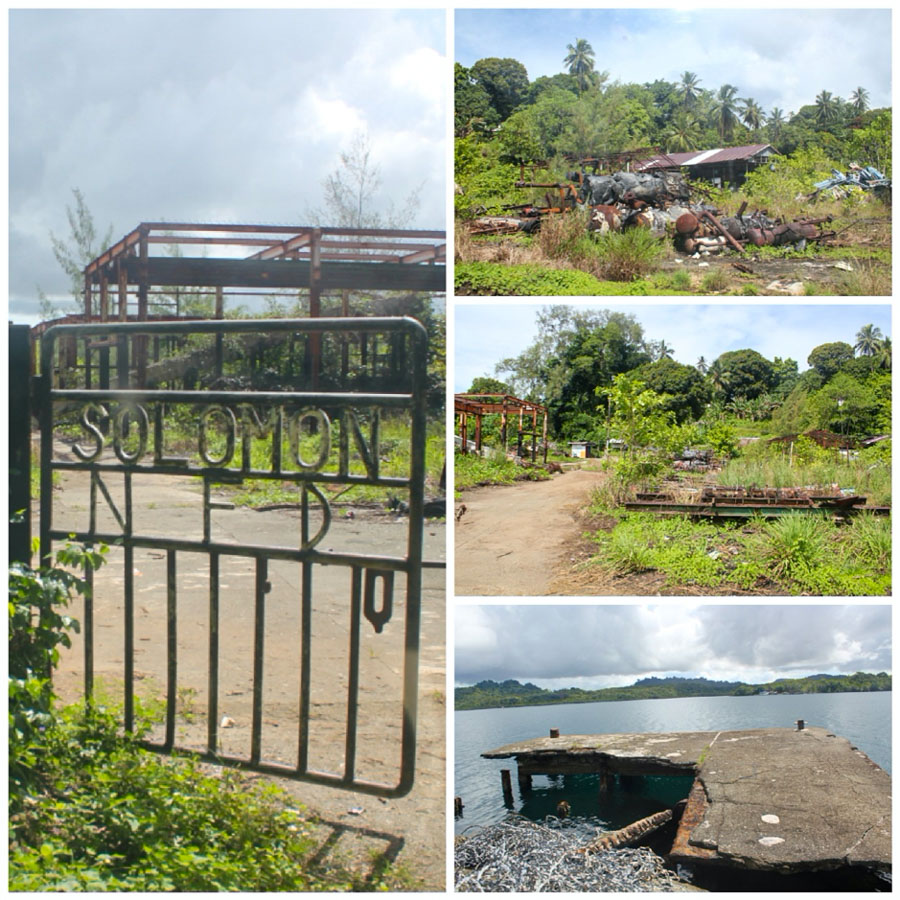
pixel 752 643
pixel 780 57
pixel 487 333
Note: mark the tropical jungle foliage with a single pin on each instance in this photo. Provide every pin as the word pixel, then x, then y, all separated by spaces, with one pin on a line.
pixel 487 694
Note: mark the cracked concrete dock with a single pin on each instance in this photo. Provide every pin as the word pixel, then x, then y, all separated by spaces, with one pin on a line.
pixel 777 799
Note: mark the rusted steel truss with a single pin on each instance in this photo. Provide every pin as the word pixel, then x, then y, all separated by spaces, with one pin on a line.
pixel 504 405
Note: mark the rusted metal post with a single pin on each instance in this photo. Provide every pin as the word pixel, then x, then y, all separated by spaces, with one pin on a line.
pixel 464 431
pixel 507 788
pixel 554 732
pixel 503 422
pixel 220 338
pixel 545 436
pixel 140 340
pixel 315 301
pixel 457 807
pixel 104 317
pixel 122 363
pixel 20 373
pixel 478 418
pixel 800 724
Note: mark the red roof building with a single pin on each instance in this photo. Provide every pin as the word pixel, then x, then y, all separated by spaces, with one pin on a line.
pixel 720 166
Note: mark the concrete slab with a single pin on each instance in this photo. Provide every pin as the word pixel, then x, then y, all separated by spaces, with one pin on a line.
pixel 775 799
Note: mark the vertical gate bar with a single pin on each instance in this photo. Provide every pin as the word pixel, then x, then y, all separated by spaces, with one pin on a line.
pixel 353 680
pixel 213 698
pixel 122 342
pixel 20 382
pixel 45 417
pixel 92 515
pixel 220 346
pixel 129 609
pixel 207 513
pixel 89 635
pixel 172 647
pixel 88 372
pixel 415 545
pixel 259 632
pixel 305 667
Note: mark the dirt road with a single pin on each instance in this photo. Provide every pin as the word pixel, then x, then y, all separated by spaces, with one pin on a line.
pixel 513 539
pixel 353 826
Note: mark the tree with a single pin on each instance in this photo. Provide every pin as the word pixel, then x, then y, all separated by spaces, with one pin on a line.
pixel 868 340
pixel 702 367
pixel 845 406
pixel 81 248
pixel 351 190
pixel 827 359
pixel 471 103
pixel 859 100
pixel 686 391
pixel 725 115
pixel 684 132
pixel 484 384
pixel 826 109
pixel 687 88
pixel 751 114
pixel 745 373
pixel 580 62
pixel 504 80
pixel 775 123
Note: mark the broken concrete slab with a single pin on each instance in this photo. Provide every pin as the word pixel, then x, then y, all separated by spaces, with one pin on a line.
pixel 777 799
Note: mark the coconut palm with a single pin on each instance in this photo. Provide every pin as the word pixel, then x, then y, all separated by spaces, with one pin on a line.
pixel 725 115
pixel 687 89
pixel 859 100
pixel 718 377
pixel 684 132
pixel 884 354
pixel 580 61
pixel 702 366
pixel 775 123
pixel 752 114
pixel 826 108
pixel 868 340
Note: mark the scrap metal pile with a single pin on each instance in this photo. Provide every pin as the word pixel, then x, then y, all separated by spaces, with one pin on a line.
pixel 659 202
pixel 867 178
pixel 523 856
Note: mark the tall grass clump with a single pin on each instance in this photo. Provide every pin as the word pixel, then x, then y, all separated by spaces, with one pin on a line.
pixel 629 255
pixel 869 538
pixel 565 236
pixel 795 545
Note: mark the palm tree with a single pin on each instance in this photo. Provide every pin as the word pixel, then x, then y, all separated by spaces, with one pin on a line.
pixel 684 132
pixel 826 108
pixel 725 115
pixel 752 114
pixel 661 350
pixel 702 367
pixel 868 340
pixel 718 376
pixel 859 99
pixel 775 123
pixel 580 60
pixel 884 354
pixel 687 89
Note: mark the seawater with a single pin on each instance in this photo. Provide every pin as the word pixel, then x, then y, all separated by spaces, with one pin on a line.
pixel 863 718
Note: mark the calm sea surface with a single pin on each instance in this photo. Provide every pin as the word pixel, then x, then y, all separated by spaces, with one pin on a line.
pixel 863 718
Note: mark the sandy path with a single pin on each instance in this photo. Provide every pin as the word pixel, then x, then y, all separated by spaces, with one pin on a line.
pixel 511 538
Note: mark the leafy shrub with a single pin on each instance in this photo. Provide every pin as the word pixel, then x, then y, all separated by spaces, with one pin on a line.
pixel 629 255
pixel 37 627
pixel 529 279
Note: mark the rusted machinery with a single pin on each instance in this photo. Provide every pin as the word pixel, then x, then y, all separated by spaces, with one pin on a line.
pixel 697 231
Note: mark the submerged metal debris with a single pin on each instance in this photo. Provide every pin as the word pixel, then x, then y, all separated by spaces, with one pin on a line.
pixel 520 855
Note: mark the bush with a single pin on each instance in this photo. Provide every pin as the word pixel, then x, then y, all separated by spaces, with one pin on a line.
pixel 629 255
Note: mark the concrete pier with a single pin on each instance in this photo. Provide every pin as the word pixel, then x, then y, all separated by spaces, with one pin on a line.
pixel 777 799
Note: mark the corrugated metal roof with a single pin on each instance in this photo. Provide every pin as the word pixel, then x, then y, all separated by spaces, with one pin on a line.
pixel 708 157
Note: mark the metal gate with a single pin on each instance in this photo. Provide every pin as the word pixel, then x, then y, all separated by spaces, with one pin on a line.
pixel 120 438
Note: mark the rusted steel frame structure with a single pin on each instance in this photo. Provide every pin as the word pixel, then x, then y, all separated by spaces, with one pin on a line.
pixel 281 257
pixel 480 405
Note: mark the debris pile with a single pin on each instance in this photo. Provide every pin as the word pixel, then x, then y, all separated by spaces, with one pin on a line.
pixel 867 178
pixel 520 855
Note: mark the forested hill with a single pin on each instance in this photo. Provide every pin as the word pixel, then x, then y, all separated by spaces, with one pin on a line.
pixel 487 694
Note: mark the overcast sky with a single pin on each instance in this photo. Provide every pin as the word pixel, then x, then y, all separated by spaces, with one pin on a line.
pixel 212 116
pixel 780 58
pixel 613 645
pixel 485 334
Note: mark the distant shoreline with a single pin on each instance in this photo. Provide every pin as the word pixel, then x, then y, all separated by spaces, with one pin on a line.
pixel 508 694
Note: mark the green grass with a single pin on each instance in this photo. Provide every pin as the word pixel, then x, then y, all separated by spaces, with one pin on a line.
pixel 471 469
pixel 798 554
